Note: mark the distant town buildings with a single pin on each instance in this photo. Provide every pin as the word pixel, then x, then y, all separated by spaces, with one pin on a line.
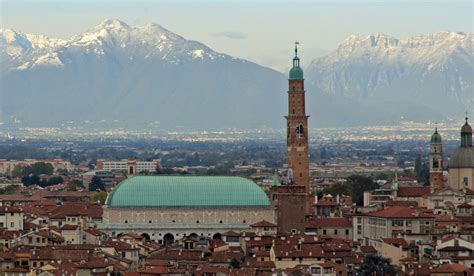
pixel 7 166
pixel 127 164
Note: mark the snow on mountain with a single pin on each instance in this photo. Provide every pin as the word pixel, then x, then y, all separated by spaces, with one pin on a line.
pixel 433 71
pixel 141 74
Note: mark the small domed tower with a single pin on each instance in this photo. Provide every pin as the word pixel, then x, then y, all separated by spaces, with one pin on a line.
pixel 461 164
pixel 466 135
pixel 436 162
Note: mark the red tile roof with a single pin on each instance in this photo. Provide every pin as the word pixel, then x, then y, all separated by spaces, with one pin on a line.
pixel 263 223
pixel 413 191
pixel 401 212
pixel 316 223
pixel 397 242
pixel 450 268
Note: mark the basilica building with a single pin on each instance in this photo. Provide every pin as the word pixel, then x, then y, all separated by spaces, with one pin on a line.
pixel 165 208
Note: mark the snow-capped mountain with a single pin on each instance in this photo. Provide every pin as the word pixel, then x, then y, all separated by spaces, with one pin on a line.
pixel 135 75
pixel 423 77
pixel 142 74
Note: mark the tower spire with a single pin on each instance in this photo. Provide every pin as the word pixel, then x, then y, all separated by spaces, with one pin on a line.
pixel 296 48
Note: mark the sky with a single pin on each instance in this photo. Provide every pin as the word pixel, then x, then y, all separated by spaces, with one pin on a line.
pixel 261 31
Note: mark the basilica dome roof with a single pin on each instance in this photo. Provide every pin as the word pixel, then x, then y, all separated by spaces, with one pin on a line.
pixel 187 191
pixel 462 157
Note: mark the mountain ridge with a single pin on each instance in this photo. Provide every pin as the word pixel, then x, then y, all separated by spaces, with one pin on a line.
pixel 159 76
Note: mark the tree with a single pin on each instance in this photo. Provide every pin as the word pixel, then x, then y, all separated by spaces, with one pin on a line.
pixel 359 184
pixel 418 166
pixel 376 265
pixel 37 168
pixel 96 184
pixel 355 186
pixel 99 197
pixel 26 180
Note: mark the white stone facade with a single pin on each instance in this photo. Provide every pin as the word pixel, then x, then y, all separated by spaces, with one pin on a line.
pixel 155 223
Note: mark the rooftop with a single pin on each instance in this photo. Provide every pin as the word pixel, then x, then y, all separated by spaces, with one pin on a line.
pixel 187 191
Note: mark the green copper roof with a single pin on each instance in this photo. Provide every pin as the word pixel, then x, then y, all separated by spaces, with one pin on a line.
pixel 296 73
pixel 435 138
pixel 187 191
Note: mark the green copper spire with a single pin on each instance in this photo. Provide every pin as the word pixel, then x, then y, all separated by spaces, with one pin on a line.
pixel 435 138
pixel 296 73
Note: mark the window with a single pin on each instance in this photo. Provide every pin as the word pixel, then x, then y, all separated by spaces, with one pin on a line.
pixel 324 231
pixel 299 130
pixel 347 231
pixel 12 224
pixel 465 181
pixel 335 231
pixel 408 222
pixel 315 270
pixel 397 222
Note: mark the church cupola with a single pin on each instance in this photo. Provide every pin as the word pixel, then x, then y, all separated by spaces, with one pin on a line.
pixel 435 138
pixel 296 73
pixel 466 135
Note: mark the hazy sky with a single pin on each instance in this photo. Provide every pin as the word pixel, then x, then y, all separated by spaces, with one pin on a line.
pixel 262 31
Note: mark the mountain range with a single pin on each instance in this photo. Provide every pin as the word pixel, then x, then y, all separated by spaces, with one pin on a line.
pixel 148 74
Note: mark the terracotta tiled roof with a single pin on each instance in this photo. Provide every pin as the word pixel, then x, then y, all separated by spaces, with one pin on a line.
pixel 231 234
pixel 291 249
pixel 8 234
pixel 450 268
pixel 401 212
pixel 69 227
pixel 328 223
pixel 397 242
pixel 10 209
pixel 77 209
pixel 263 223
pixel 413 191
pixel 119 245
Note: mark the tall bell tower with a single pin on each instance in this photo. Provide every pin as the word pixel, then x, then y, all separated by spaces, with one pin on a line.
pixel 436 162
pixel 297 127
